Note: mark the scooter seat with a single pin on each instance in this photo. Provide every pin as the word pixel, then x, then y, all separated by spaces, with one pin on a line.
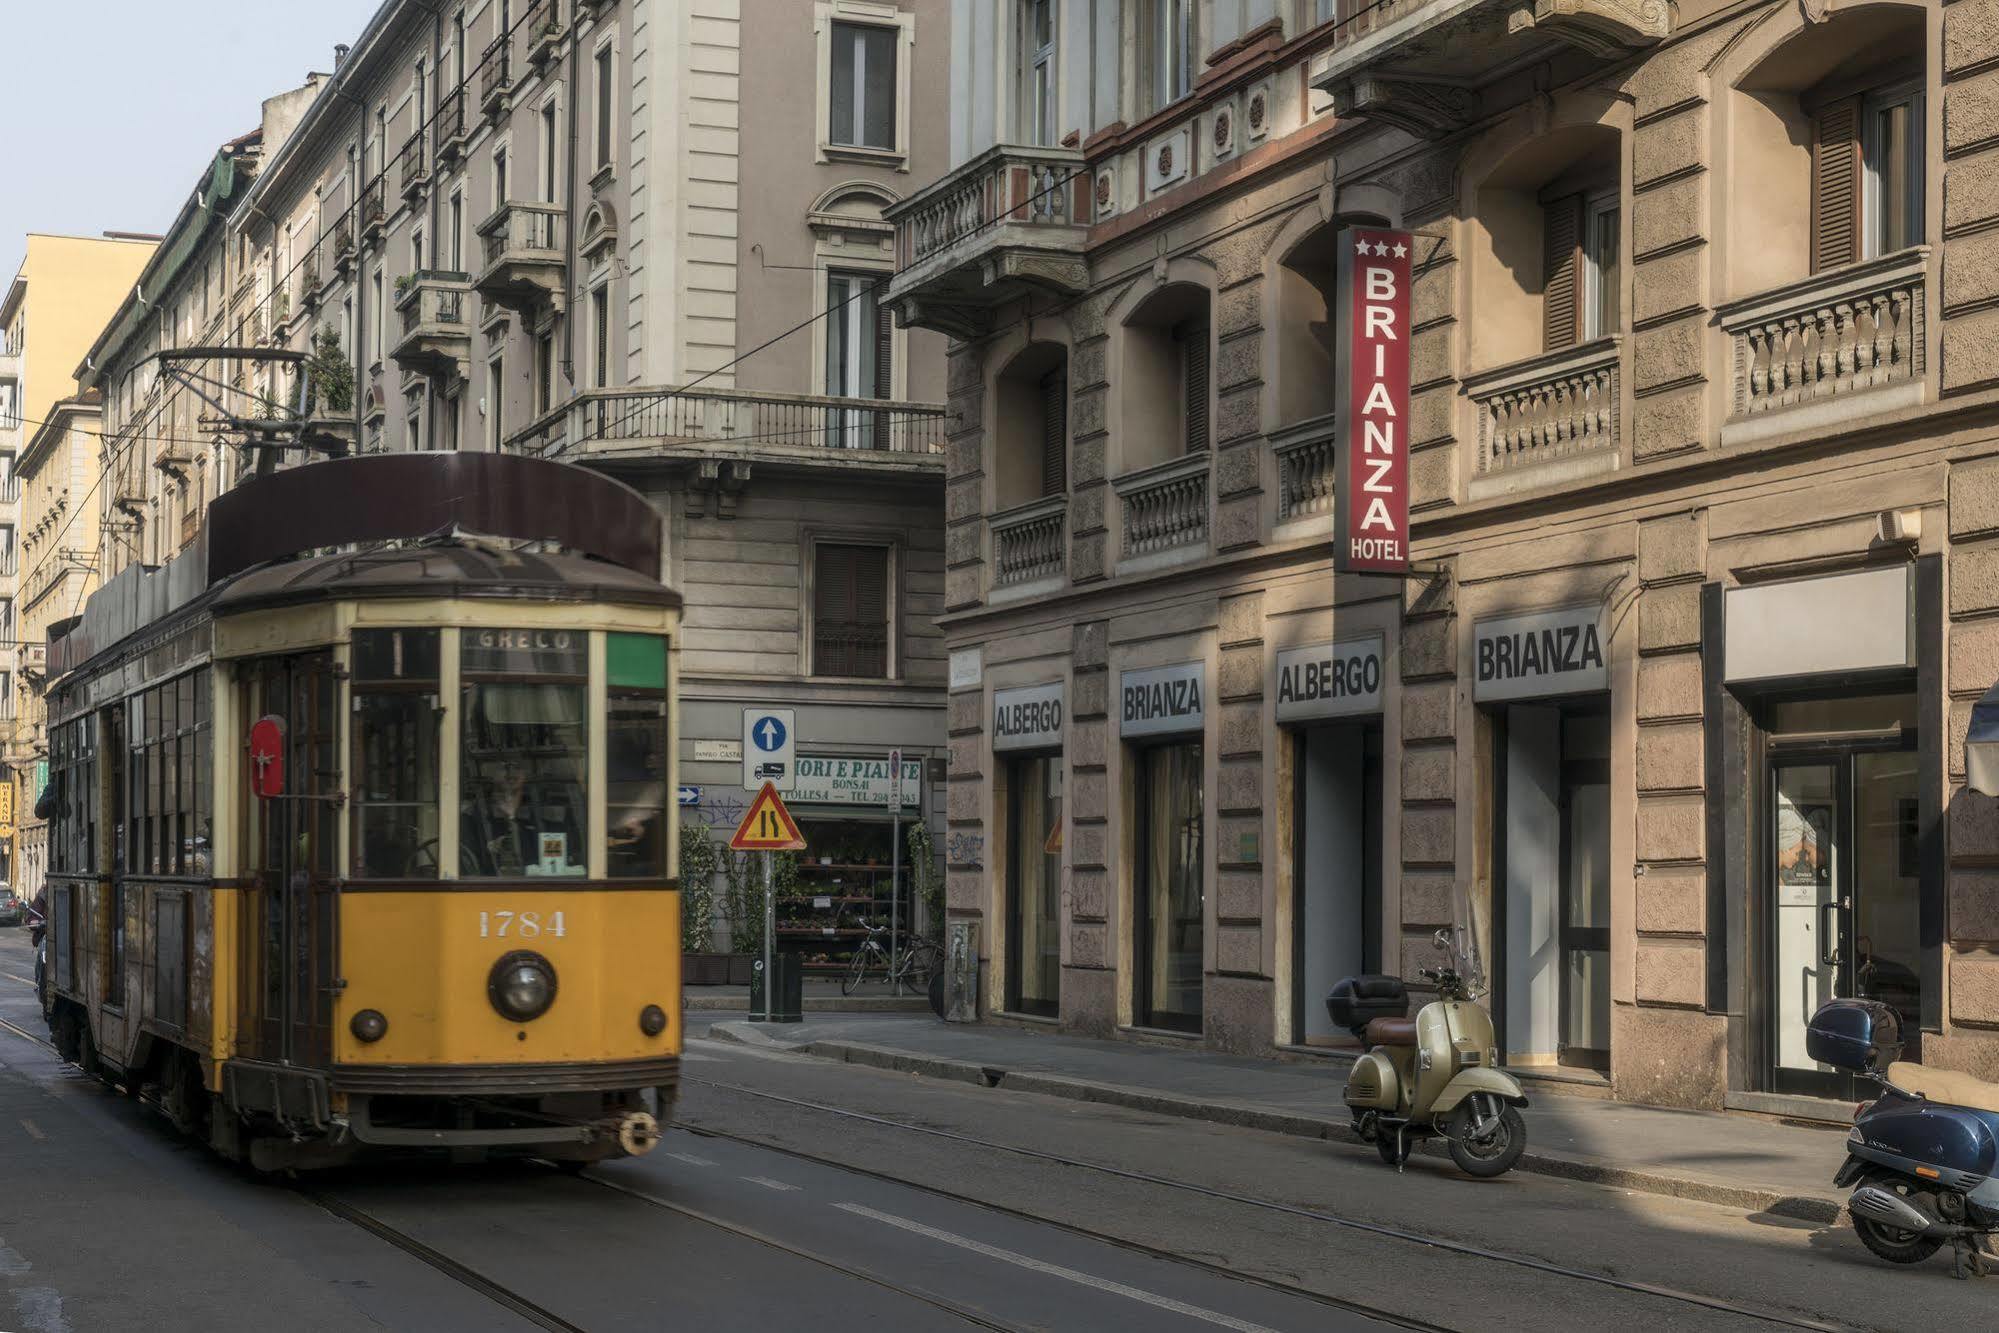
pixel 1949 1087
pixel 1391 1032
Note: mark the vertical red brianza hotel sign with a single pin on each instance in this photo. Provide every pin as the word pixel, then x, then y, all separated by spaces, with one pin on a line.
pixel 1371 444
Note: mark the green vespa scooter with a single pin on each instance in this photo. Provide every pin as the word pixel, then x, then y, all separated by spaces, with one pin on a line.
pixel 1433 1074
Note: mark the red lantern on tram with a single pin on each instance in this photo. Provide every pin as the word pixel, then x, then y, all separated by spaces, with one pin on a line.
pixel 267 757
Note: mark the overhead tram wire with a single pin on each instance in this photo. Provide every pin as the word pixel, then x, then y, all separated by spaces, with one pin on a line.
pixel 283 282
pixel 677 391
pixel 680 390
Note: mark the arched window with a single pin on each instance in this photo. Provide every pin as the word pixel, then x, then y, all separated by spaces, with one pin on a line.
pixel 1031 438
pixel 1168 385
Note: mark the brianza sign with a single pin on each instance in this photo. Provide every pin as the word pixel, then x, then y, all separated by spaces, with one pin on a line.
pixel 1371 448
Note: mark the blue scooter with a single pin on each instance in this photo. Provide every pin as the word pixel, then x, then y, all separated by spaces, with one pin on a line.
pixel 1924 1153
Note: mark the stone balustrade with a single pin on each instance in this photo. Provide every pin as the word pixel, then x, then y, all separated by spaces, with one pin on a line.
pixel 1165 506
pixel 1030 542
pixel 1548 408
pixel 1853 330
pixel 1304 455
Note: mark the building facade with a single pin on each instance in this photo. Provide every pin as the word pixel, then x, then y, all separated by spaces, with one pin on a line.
pixel 1670 709
pixel 615 233
pixel 59 541
pixel 66 288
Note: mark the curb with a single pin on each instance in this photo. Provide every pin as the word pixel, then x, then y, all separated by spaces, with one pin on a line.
pixel 1806 1207
pixel 815 1004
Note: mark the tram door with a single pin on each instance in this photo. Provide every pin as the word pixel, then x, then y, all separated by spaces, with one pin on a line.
pixel 292 842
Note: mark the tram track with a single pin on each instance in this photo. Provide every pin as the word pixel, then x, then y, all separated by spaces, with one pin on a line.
pixel 1714 1303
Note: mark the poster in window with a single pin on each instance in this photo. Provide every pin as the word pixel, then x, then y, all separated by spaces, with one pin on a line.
pixel 1804 847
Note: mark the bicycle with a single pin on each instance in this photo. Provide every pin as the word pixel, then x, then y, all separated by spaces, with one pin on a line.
pixel 910 966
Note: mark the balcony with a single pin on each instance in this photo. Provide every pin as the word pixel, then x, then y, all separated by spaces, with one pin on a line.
pixel 1419 64
pixel 452 130
pixel 413 166
pixel 1835 346
pixel 437 335
pixel 1304 455
pixel 343 245
pixel 524 264
pixel 1030 546
pixel 795 427
pixel 543 27
pixel 308 279
pixel 1010 221
pixel 10 367
pixel 281 313
pixel 374 210
pixel 495 77
pixel 1165 512
pixel 1558 414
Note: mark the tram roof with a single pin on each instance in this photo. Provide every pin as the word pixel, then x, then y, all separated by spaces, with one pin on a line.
pixel 263 541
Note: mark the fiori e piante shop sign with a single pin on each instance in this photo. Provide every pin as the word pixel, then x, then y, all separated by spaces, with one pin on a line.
pixel 1371 403
pixel 854 782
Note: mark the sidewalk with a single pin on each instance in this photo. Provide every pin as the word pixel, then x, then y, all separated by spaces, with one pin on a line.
pixel 1716 1157
pixel 821 995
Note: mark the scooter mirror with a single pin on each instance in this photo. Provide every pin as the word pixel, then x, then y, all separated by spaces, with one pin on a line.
pixel 1443 939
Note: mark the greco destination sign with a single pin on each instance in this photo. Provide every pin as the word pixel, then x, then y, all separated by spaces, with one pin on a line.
pixel 1539 654
pixel 1371 402
pixel 1029 718
pixel 1337 679
pixel 1163 700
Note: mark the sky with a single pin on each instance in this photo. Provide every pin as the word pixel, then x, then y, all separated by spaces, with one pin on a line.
pixel 109 129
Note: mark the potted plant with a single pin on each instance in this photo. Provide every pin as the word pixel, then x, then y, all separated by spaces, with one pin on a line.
pixel 700 966
pixel 744 900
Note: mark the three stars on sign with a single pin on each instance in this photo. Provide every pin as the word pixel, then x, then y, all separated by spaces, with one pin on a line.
pixel 1381 248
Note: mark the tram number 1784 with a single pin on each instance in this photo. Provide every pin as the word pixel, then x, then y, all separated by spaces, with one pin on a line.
pixel 519 925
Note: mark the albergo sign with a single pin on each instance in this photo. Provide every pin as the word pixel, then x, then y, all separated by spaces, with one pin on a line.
pixel 1371 448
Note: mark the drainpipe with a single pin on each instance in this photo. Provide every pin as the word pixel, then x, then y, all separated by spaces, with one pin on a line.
pixel 577 181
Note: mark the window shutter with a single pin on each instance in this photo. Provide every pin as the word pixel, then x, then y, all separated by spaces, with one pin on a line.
pixel 884 386
pixel 1836 185
pixel 1562 272
pixel 850 611
pixel 1194 381
pixel 1054 432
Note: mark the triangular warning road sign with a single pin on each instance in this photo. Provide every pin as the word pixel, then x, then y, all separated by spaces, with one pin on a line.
pixel 767 826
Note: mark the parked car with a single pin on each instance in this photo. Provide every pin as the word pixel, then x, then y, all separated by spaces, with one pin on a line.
pixel 11 909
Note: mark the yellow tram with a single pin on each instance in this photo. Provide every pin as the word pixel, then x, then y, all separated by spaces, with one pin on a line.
pixel 363 826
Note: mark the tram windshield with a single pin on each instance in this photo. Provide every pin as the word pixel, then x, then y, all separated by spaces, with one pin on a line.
pixel 522 753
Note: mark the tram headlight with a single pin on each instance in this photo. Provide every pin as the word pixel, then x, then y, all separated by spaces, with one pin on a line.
pixel 368 1025
pixel 652 1020
pixel 521 986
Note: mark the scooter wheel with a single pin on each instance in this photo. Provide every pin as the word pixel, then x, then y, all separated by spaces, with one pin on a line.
pixel 1493 1154
pixel 1894 1244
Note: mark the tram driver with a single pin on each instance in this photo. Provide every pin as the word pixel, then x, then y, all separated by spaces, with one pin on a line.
pixel 501 830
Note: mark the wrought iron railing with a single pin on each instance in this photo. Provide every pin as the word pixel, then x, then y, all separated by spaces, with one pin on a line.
pixel 434 300
pixel 518 227
pixel 637 419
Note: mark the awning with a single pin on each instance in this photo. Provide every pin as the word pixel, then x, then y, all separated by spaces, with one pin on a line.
pixel 1981 745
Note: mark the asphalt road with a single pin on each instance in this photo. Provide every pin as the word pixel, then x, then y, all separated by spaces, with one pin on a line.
pixel 799 1193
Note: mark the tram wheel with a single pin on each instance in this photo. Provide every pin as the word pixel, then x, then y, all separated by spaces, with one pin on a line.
pixel 186 1097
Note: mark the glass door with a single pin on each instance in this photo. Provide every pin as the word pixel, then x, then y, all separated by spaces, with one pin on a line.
pixel 1034 886
pixel 1170 887
pixel 1584 933
pixel 1846 882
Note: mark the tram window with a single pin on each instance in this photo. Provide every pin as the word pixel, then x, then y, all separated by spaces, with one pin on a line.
pixel 522 753
pixel 395 753
pixel 169 808
pixel 636 734
pixel 73 773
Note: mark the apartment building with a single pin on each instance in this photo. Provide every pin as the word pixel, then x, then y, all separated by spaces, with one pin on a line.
pixel 645 236
pixel 1704 480
pixel 60 561
pixel 168 447
pixel 66 287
